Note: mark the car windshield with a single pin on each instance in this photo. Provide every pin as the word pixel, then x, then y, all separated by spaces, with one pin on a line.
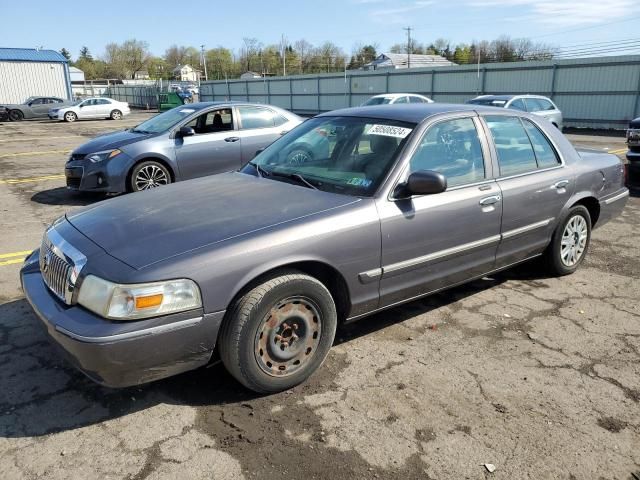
pixel 164 121
pixel 490 102
pixel 28 100
pixel 348 155
pixel 377 101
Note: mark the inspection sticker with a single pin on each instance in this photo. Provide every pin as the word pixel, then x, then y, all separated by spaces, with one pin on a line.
pixel 389 131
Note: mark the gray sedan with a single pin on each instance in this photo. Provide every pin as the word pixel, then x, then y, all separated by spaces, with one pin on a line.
pixel 262 265
pixel 34 107
pixel 186 142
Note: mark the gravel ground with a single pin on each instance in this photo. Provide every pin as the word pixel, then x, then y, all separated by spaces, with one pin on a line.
pixel 535 375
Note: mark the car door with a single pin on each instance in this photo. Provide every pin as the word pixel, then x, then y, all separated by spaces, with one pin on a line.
pixel 399 100
pixel 433 241
pixel 39 107
pixel 534 183
pixel 103 107
pixel 87 109
pixel 259 127
pixel 215 147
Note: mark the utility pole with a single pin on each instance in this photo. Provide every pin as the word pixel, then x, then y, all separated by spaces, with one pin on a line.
pixel 284 55
pixel 204 62
pixel 408 29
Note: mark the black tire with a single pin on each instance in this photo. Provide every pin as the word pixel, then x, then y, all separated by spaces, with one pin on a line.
pixel 115 115
pixel 70 117
pixel 16 115
pixel 154 170
pixel 553 257
pixel 299 155
pixel 252 336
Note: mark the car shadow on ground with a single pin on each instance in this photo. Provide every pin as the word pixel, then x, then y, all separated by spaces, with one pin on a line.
pixel 40 393
pixel 64 196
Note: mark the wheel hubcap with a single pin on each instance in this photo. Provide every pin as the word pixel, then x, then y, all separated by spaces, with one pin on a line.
pixel 151 176
pixel 298 158
pixel 288 336
pixel 574 240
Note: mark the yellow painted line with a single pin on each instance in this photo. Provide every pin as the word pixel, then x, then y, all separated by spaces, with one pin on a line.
pixel 619 151
pixel 24 154
pixel 15 254
pixel 11 181
pixel 11 262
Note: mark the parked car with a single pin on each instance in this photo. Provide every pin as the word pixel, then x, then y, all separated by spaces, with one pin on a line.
pixel 185 142
pixel 536 104
pixel 33 107
pixel 264 263
pixel 633 141
pixel 91 108
pixel 394 98
pixel 4 114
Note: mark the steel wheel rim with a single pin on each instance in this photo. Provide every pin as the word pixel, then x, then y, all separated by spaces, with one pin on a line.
pixel 288 336
pixel 574 240
pixel 150 176
pixel 298 157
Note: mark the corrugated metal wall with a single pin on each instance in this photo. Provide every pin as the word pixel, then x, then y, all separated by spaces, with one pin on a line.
pixel 595 92
pixel 137 96
pixel 20 80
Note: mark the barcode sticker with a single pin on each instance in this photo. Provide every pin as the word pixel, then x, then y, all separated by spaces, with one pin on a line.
pixel 389 131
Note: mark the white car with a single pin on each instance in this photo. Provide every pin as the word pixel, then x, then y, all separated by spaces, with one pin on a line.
pixel 91 108
pixel 393 98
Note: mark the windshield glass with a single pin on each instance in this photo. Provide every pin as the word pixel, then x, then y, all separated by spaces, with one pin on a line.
pixel 349 155
pixel 377 101
pixel 489 102
pixel 164 121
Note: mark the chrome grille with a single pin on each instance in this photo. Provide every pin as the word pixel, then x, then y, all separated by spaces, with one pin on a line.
pixel 56 272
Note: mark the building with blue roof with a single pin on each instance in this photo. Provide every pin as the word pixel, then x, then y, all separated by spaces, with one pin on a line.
pixel 27 72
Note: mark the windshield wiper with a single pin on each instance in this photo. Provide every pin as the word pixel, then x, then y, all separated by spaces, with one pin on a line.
pixel 261 171
pixel 294 176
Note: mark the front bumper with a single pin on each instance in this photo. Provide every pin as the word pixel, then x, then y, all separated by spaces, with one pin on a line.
pixel 108 176
pixel 121 354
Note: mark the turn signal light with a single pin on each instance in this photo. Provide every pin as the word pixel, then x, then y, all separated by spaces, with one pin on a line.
pixel 149 301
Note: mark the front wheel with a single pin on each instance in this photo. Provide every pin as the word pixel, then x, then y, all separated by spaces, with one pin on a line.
pixel 70 117
pixel 279 332
pixel 299 156
pixel 16 115
pixel 148 175
pixel 570 242
pixel 116 115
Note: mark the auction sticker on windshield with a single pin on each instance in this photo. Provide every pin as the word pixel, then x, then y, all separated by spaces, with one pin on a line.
pixel 389 131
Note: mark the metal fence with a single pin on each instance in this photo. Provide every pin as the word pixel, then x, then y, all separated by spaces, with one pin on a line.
pixel 592 92
pixel 137 96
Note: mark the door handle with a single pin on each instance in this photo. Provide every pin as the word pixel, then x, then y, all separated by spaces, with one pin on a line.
pixel 560 184
pixel 284 132
pixel 490 200
pixel 232 139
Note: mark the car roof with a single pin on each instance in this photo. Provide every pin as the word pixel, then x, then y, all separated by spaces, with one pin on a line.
pixel 229 103
pixel 408 112
pixel 396 95
pixel 508 97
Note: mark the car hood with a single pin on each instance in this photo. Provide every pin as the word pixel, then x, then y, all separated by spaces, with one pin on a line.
pixel 150 226
pixel 109 141
pixel 635 123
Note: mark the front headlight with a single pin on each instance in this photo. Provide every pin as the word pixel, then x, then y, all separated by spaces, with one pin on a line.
pixel 105 155
pixel 136 301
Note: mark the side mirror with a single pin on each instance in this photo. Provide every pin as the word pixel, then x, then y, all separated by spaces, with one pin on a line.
pixel 259 151
pixel 422 182
pixel 185 132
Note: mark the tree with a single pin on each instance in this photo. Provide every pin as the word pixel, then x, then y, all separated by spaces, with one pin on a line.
pixel 175 55
pixel 65 53
pixel 85 55
pixel 303 50
pixel 361 56
pixel 250 53
pixel 125 60
pixel 220 63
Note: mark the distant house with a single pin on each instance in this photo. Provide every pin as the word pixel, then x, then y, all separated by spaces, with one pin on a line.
pixel 250 75
pixel 141 75
pixel 186 73
pixel 392 61
pixel 76 75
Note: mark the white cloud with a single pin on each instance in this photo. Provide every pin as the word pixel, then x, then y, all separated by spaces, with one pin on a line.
pixel 397 13
pixel 567 12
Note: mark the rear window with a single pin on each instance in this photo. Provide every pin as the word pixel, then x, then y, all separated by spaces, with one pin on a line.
pixel 377 101
pixel 489 102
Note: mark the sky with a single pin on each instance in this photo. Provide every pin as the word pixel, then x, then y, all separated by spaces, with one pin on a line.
pixel 72 24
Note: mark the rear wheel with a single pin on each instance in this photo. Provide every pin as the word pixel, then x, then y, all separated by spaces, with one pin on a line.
pixel 15 115
pixel 570 242
pixel 148 175
pixel 70 117
pixel 299 156
pixel 116 115
pixel 279 332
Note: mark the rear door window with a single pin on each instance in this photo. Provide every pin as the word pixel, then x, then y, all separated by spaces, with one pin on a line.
pixel 518 104
pixel 256 117
pixel 539 104
pixel 515 153
pixel 401 100
pixel 544 151
pixel 414 99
